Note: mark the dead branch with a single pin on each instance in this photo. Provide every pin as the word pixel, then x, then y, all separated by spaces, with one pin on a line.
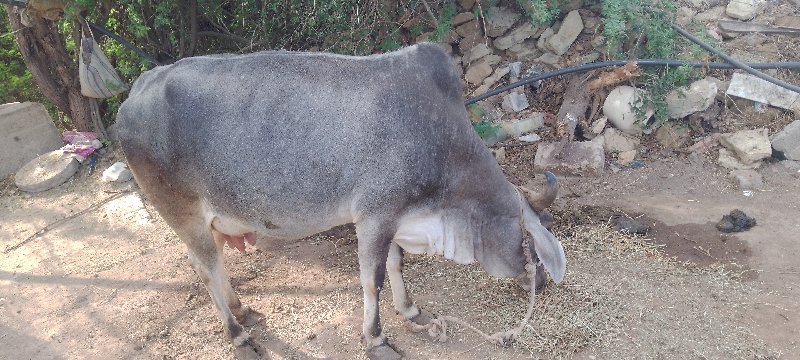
pixel 60 221
pixel 615 76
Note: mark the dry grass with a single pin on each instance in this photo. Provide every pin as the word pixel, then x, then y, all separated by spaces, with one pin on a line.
pixel 621 299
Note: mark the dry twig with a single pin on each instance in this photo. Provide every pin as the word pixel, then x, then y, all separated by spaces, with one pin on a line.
pixel 57 222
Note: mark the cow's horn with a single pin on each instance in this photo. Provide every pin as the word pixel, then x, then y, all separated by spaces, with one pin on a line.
pixel 542 201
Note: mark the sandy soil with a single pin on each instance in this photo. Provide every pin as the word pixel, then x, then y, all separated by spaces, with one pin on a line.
pixel 115 282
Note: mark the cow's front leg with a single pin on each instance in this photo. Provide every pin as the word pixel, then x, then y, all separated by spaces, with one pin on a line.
pixel 373 249
pixel 402 302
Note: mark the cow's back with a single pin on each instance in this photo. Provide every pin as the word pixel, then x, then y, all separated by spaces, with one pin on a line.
pixel 303 137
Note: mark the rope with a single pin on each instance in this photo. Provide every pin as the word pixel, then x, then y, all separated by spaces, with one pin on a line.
pixel 437 328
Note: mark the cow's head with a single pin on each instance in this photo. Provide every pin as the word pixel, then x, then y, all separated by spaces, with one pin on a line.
pixel 502 237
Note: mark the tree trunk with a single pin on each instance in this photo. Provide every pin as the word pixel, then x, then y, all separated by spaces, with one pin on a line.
pixel 45 54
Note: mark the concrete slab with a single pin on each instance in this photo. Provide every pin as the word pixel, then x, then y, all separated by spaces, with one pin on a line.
pixel 26 131
pixel 750 87
pixel 572 158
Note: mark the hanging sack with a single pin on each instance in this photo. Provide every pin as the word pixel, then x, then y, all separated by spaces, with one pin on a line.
pixel 98 78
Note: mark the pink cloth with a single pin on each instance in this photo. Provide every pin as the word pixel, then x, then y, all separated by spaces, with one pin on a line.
pixel 81 143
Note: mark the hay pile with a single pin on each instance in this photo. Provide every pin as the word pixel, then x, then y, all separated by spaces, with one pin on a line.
pixel 621 299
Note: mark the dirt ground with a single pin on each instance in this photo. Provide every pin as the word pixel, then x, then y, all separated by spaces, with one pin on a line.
pixel 114 282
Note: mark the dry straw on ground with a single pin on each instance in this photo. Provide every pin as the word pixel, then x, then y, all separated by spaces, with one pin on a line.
pixel 621 299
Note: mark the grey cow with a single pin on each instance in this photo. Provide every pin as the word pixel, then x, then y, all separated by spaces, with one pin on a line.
pixel 276 146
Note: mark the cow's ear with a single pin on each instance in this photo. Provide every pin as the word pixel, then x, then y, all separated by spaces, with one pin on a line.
pixel 541 201
pixel 547 247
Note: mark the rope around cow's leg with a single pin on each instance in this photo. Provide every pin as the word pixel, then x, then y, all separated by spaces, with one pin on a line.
pixel 437 328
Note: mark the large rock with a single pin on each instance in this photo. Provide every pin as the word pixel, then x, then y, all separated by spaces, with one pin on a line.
pixel 478 72
pixel 569 31
pixel 500 19
pixel 542 42
pixel 748 179
pixel 549 59
pixel 26 131
pixel 477 52
pixel 516 36
pixel 685 101
pixel 467 43
pixel 46 172
pixel 497 75
pixel 788 141
pixel 462 18
pixel 515 102
pixel 492 59
pixel 468 29
pixel 728 160
pixel 750 146
pixel 572 158
pixel 711 15
pixel 466 4
pixel 617 141
pixel 672 136
pixel 619 108
pixel 525 51
pixel 742 9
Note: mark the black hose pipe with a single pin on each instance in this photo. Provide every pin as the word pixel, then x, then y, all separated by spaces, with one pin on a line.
pixel 735 62
pixel 644 62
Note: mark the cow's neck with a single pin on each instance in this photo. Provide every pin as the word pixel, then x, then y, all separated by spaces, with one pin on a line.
pixel 454 230
pixel 437 232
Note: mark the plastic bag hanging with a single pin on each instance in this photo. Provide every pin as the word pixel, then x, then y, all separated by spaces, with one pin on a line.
pixel 98 78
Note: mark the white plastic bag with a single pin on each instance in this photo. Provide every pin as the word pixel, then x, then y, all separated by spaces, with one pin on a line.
pixel 98 78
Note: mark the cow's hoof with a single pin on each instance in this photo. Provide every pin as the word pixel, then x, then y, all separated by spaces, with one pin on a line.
pixel 248 317
pixel 423 318
pixel 382 352
pixel 250 350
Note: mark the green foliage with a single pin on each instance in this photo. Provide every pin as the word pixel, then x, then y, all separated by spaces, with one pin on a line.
pixel 445 19
pixel 644 26
pixel 478 115
pixel 658 84
pixel 542 13
pixel 391 42
pixel 641 29
pixel 16 82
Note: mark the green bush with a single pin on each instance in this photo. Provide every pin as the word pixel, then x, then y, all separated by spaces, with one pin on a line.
pixel 16 82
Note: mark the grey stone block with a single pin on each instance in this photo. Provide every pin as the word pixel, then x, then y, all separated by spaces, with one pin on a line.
pixel 788 141
pixel 26 131
pixel 572 158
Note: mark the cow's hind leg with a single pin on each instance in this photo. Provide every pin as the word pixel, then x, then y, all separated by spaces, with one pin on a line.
pixel 402 302
pixel 206 257
pixel 181 208
pixel 373 249
pixel 242 313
